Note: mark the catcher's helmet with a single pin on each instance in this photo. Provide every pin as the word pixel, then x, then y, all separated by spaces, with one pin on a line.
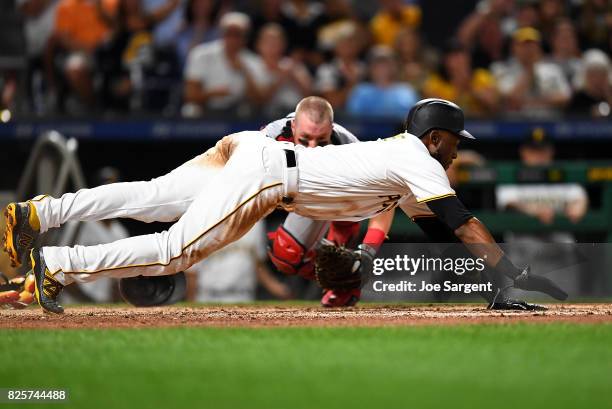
pixel 434 113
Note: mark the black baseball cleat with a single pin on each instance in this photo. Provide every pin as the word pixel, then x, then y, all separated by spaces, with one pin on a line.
pixel 46 287
pixel 516 305
pixel 22 230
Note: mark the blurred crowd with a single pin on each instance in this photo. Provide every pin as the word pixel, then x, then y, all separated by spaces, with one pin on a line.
pixel 202 58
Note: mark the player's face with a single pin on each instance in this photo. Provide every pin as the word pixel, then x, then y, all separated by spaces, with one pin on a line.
pixel 310 134
pixel 443 147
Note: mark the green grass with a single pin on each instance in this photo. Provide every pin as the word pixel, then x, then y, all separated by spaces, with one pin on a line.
pixel 479 366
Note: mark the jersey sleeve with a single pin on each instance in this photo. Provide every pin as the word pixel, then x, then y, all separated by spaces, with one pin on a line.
pixel 450 211
pixel 426 179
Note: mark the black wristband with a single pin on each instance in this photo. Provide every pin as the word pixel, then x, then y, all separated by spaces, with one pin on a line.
pixel 505 266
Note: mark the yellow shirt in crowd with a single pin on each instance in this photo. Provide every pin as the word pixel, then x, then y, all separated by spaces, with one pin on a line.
pixel 436 87
pixel 80 21
pixel 385 27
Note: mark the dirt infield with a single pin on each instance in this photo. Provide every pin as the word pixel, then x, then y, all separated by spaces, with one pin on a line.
pixel 284 316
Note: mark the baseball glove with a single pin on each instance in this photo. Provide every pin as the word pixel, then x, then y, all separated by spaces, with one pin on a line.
pixel 339 268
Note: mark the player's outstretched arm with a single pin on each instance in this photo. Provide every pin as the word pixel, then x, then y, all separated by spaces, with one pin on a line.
pixel 479 241
pixel 473 233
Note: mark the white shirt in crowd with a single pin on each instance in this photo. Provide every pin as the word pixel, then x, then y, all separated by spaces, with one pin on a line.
pixel 208 64
pixel 549 80
pixel 555 196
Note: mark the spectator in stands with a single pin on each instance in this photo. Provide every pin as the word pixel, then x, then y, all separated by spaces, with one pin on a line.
pixel 472 89
pixel 415 61
pixel 466 158
pixel 594 24
pixel 337 14
pixel 550 249
pixel 565 50
pixel 223 76
pixel 288 81
pixel 542 201
pixel 199 26
pixel 383 96
pixel 39 18
pixel 484 31
pixel 123 59
pixel 232 273
pixel 336 79
pixel 530 85
pixel 393 16
pixel 527 14
pixel 594 95
pixel 164 33
pixel 305 16
pixel 78 30
pixel 550 13
pixel 270 11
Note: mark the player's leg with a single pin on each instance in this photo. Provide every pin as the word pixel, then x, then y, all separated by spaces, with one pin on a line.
pixel 241 194
pixel 164 198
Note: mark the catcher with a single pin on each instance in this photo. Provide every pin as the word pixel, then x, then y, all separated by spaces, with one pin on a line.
pixel 293 245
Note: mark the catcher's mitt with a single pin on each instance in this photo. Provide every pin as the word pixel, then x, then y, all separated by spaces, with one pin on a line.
pixel 339 268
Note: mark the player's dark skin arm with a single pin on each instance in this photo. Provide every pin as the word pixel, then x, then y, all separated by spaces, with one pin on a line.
pixel 471 232
pixel 479 241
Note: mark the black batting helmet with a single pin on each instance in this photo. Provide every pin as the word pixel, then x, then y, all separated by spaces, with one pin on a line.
pixel 434 113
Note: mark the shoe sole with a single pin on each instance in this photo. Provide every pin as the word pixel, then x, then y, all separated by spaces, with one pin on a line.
pixel 36 293
pixel 10 215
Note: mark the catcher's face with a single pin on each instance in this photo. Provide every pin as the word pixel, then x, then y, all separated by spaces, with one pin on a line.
pixel 310 134
pixel 442 146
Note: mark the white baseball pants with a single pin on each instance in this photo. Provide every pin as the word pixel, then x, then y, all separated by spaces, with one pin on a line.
pixel 241 180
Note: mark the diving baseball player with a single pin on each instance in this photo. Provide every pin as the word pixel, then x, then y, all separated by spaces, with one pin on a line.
pixel 248 175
